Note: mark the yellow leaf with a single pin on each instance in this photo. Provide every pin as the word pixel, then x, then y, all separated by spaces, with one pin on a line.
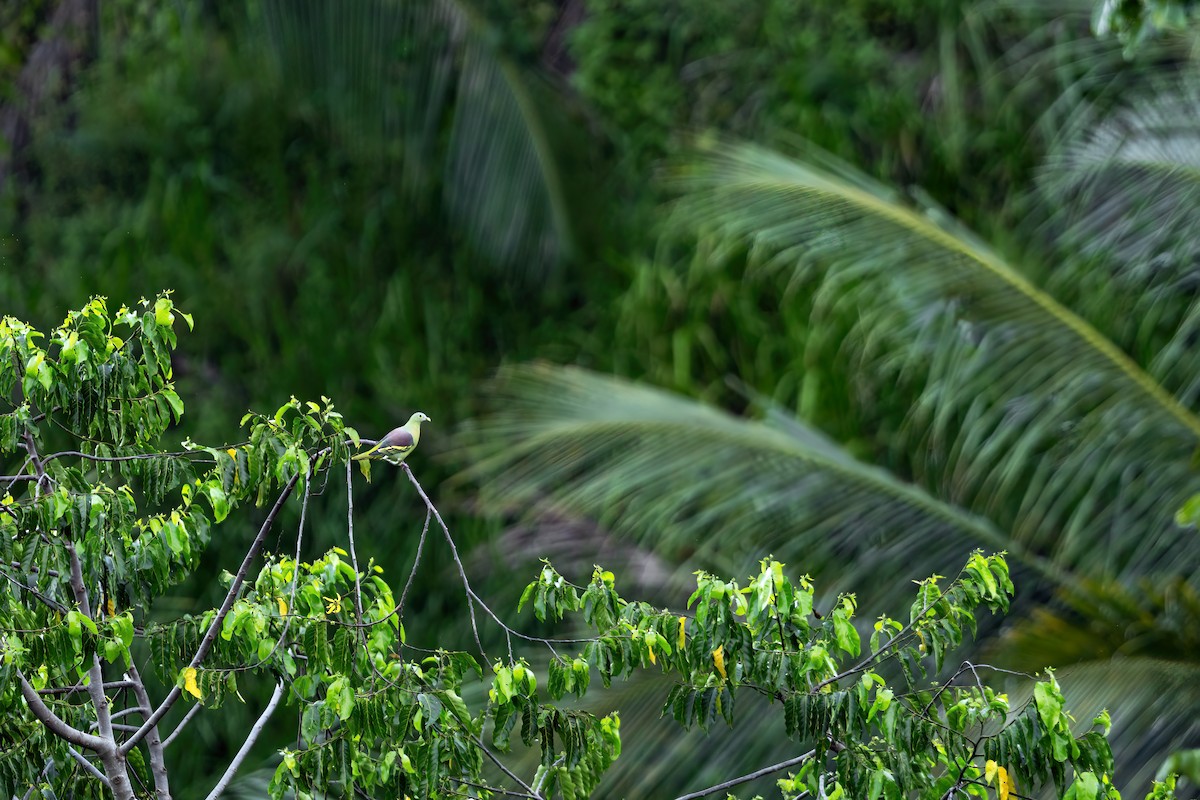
pixel 1002 784
pixel 682 632
pixel 719 661
pixel 989 771
pixel 189 682
pixel 110 607
pixel 650 648
pixel 282 606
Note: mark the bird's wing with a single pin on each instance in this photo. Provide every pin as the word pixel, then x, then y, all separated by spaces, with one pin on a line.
pixel 401 437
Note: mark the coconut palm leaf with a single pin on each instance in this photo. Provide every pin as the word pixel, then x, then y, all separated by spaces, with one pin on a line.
pixel 1122 195
pixel 1022 411
pixel 393 76
pixel 1025 419
pixel 703 486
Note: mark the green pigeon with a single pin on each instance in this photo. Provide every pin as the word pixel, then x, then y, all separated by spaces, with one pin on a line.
pixel 396 446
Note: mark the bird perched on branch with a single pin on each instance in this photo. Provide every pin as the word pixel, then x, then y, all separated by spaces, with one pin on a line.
pixel 397 444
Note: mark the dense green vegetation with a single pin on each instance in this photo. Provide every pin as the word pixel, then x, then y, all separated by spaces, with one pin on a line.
pixel 387 202
pixel 94 537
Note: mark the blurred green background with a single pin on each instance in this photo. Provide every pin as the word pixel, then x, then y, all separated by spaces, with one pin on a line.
pixel 387 201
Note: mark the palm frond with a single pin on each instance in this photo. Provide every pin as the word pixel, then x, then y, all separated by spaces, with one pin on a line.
pixel 1022 411
pixel 697 484
pixel 1106 619
pixel 394 76
pixel 1122 195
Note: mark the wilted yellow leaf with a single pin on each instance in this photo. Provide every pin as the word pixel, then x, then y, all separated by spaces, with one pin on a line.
pixel 1002 784
pixel 110 607
pixel 682 632
pixel 989 771
pixel 719 661
pixel 189 682
pixel 282 606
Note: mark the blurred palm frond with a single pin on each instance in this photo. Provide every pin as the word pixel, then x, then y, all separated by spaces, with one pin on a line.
pixel 698 484
pixel 427 84
pixel 1021 410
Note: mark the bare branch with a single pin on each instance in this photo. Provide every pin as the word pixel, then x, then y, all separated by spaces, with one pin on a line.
pixel 491 756
pixel 493 789
pixel 416 562
pixel 95 687
pixel 244 750
pixel 210 636
pixel 791 762
pixel 53 573
pixel 89 767
pixel 54 723
pixel 353 553
pixel 117 459
pixel 79 687
pixel 462 573
pixel 193 711
pixel 154 744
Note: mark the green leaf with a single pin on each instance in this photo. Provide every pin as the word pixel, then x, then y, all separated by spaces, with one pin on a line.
pixel 162 312
pixel 175 402
pixel 459 709
pixel 220 503
pixel 847 636
pixel 1085 787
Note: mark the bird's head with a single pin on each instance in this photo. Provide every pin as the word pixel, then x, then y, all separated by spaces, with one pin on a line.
pixel 418 418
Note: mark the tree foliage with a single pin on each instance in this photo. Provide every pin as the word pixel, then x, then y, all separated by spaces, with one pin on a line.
pixel 96 537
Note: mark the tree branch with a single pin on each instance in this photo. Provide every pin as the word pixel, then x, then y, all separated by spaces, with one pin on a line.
pixel 81 688
pixel 110 755
pixel 462 572
pixel 89 767
pixel 210 636
pixel 791 762
pixel 193 711
pixel 358 631
pixel 54 723
pixel 247 745
pixel 154 744
pixel 491 756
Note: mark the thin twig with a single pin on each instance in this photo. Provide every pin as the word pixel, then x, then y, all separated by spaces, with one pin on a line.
pixel 115 459
pixel 48 601
pixel 193 711
pixel 88 767
pixel 154 744
pixel 791 762
pixel 493 789
pixel 462 572
pixel 416 561
pixel 244 750
pixel 79 687
pixel 210 636
pixel 353 553
pixel 491 757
